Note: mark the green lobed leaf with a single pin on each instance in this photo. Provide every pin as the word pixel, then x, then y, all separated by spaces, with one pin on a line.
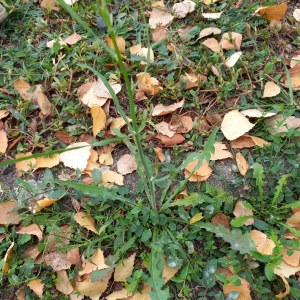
pixel 282 181
pixel 238 241
pixel 193 199
pixel 240 221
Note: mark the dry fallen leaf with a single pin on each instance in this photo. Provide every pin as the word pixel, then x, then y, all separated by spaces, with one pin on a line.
pixel 100 90
pixel 3 141
pixel 52 42
pixel 77 158
pixel 109 176
pixel 243 289
pixel 234 42
pixel 98 263
pixel 73 38
pixel 118 123
pixel 64 137
pixel 87 96
pixel 70 2
pixel 263 244
pixel 73 257
pixel 124 269
pixel 275 24
pixel 292 260
pixel 232 60
pixel 159 33
pixel 33 229
pixel 83 219
pixel 57 260
pixel 208 31
pixel 235 124
pixel 63 283
pixel 286 270
pixel 122 294
pixel 6 217
pixel 161 156
pixel 92 163
pixel 222 219
pixel 287 288
pixel 168 272
pixel 296 14
pixel 242 164
pixel 126 164
pixel 257 113
pixel 106 159
pixel 24 165
pixel 52 4
pixel 166 129
pixel 220 152
pixel 121 44
pixel 212 44
pixel 93 290
pixel 240 210
pixel 275 12
pixel 271 89
pixel 212 15
pixel 247 141
pixel 184 124
pixel 22 87
pixel 8 255
pixel 148 85
pixel 289 122
pixel 3 113
pixel 160 17
pixel 99 119
pixel 40 204
pixel 143 52
pixel 296 60
pixel 21 294
pixel 160 110
pixel 47 162
pixel 40 99
pixel 294 220
pixel 203 170
pixel 57 239
pixel 183 8
pixel 37 286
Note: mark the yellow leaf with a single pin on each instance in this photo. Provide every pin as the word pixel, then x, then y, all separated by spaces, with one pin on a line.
pixel 148 85
pixel 22 87
pixel 124 269
pixel 275 12
pixel 24 165
pixel 212 44
pixel 196 218
pixel 47 162
pixel 33 229
pixel 220 152
pixel 99 119
pixel 8 255
pixel 287 288
pixel 262 243
pixel 43 203
pixel 203 170
pixel 243 289
pixel 63 283
pixel 109 176
pixel 83 219
pixel 271 89
pixel 120 43
pixel 242 163
pixel 106 159
pixel 37 286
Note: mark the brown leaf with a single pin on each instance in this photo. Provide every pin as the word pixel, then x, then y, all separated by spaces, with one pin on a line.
pixel 99 263
pixel 292 260
pixel 5 216
pixel 194 177
pixel 86 137
pixel 212 44
pixel 3 141
pixel 235 124
pixel 203 170
pixel 287 288
pixel 275 12
pixel 40 204
pixel 126 164
pixel 124 269
pixel 34 126
pixel 294 220
pixel 33 229
pixel 99 119
pixel 47 162
pixel 208 31
pixel 22 87
pixel 242 164
pixel 64 137
pixel 43 103
pixel 233 43
pixel 24 165
pixel 159 33
pixel 166 141
pixel 191 80
pixel 57 239
pixel 94 290
pixel 37 286
pixel 220 152
pixel 52 3
pixel 184 33
pixel 161 156
pixel 122 294
pixel 87 95
pixel 220 218
pixel 139 96
pixel 166 129
pixel 3 113
pixel 160 110
pixel 75 204
pixel 21 294
pixel 271 89
pixel 263 244
pixel 168 272
pixel 7 257
pixel 148 85
pixel 243 289
pixel 57 260
pixel 286 270
pixel 83 219
pixel 121 44
pixel 109 176
pixel 143 52
pixel 118 123
pixel 240 210
pixel 289 122
pixel 160 17
pixel 213 119
pixel 203 125
pixel 184 124
pixel 73 257
pixel 225 271
pixel 183 8
pixel 100 90
pixel 32 251
pixel 63 283
pixel 73 38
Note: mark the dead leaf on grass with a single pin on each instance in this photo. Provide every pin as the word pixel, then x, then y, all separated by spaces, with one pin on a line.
pixel 109 176
pixel 275 24
pixel 203 170
pixel 289 122
pixel 263 244
pixel 121 44
pixel 214 119
pixel 184 124
pixel 183 8
pixel 106 159
pixel 52 42
pixel 234 42
pixel 296 59
pixel 33 229
pixel 126 164
pixel 124 269
pixel 22 87
pixel 5 216
pixel 271 90
pixel 235 124
pixel 214 16
pixel 52 3
pixel 148 85
pixel 275 12
pixel 258 113
pixel 220 152
pixel 47 162
pixel 24 165
pixel 286 270
pixel 294 220
pixel 287 288
pixel 37 286
pixel 73 257
pixel 166 129
pixel 184 33
pixel 73 38
pixel 57 239
pixel 100 90
pixel 222 219
pixel 242 164
pixel 70 2
pixel 240 210
pixel 3 141
pixel 143 52
pixel 40 99
pixel 208 31
pixel 212 44
pixel 168 272
pixel 178 138
pixel 160 110
pixel 57 260
pixel 159 152
pixel 88 222
pixel 159 33
pixel 8 255
pixel 40 204
pixel 3 113
pixel 292 260
pixel 203 125
pixel 99 119
pixel 122 294
pixel 63 283
pixel 98 263
pixel 160 17
pixel 243 289
pixel 64 137
pixel 232 60
pixel 77 158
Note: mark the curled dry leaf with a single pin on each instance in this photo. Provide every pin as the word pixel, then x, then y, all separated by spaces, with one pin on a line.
pixel 148 85
pixel 247 141
pixel 240 210
pixel 287 288
pixel 109 176
pixel 99 119
pixel 289 122
pixel 92 163
pixel 83 219
pixel 222 219
pixel 37 286
pixel 243 289
pixel 256 113
pixel 212 44
pixel 24 165
pixel 3 141
pixel 126 164
pixel 8 255
pixel 73 38
pixel 166 129
pixel 52 4
pixel 220 152
pixel 159 152
pixel 22 87
pixel 214 16
pixel 47 162
pixel 57 260
pixel 234 42
pixel 124 269
pixel 263 244
pixel 271 90
pixel 235 124
pixel 275 12
pixel 33 229
pixel 77 158
pixel 208 31
pixel 178 138
pixel 160 110
pixel 242 164
pixel 160 18
pixel 98 263
pixel 286 270
pixel 63 283
pixel 3 113
pixel 232 60
pixel 40 204
pixel 159 33
pixel 121 44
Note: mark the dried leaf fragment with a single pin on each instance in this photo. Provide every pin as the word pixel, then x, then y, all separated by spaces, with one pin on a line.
pixel 275 12
pixel 271 89
pixel 24 165
pixel 294 220
pixel 242 164
pixel 47 162
pixel 212 44
pixel 220 152
pixel 287 288
pixel 212 15
pixel 289 122
pixel 222 219
pixel 57 260
pixel 99 263
pixel 64 137
pixel 296 14
pixel 160 110
pixel 5 216
pixel 148 85
pixel 203 170
pixel 109 176
pixel 263 244
pixel 286 270
pixel 240 210
pixel 83 219
pixel 63 284
pixel 22 87
pixel 159 33
pixel 43 203
pixel 33 229
pixel 3 141
pixel 183 8
pixel 8 255
pixel 52 4
pixel 124 269
pixel 159 152
pixel 234 42
pixel 99 119
pixel 166 129
pixel 208 31
pixel 232 60
pixel 37 286
pixel 244 289
pixel 121 44
pixel 126 164
pixel 160 17
pixel 73 38
pixel 168 272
